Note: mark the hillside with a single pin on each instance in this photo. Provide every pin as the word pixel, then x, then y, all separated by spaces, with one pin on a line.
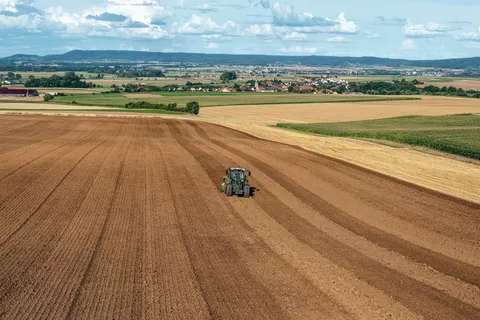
pixel 230 59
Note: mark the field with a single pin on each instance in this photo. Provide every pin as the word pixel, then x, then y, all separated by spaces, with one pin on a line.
pixel 457 134
pixel 214 99
pixel 122 218
pixel 335 112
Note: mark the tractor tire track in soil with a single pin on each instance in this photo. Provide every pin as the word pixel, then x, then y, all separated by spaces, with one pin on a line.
pixel 123 218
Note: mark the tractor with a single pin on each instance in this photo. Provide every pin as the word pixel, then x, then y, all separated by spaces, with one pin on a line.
pixel 235 183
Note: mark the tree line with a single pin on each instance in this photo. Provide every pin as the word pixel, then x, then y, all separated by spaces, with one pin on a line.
pixel 404 87
pixel 69 80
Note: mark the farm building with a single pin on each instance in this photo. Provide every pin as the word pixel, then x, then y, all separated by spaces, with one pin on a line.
pixel 18 92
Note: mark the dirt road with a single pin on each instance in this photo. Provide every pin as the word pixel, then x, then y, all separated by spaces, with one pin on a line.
pixel 122 218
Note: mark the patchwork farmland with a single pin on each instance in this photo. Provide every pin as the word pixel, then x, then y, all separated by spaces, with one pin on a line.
pixel 122 218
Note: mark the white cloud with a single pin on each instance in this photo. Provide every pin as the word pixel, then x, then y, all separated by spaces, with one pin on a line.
pixel 294 36
pixel 371 35
pixel 424 31
pixel 263 3
pixel 204 8
pixel 337 39
pixel 205 25
pixel 212 45
pixel 259 30
pixel 302 50
pixel 408 44
pixel 469 36
pixel 284 15
pixel 343 25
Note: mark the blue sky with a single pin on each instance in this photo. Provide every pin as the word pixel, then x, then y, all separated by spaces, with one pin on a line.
pixel 420 29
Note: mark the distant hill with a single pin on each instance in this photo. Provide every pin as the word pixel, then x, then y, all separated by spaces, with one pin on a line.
pixel 116 56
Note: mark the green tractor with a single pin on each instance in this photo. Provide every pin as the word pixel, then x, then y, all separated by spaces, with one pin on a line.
pixel 235 183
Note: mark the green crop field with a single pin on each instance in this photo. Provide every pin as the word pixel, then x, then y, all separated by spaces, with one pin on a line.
pixel 214 99
pixel 456 134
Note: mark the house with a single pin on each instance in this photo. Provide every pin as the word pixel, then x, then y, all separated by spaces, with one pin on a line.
pixel 8 82
pixel 226 89
pixel 306 88
pixel 18 92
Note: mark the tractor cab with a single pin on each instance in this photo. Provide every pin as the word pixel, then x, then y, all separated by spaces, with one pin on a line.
pixel 236 182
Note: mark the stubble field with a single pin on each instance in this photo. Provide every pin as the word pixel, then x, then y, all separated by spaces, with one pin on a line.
pixel 122 218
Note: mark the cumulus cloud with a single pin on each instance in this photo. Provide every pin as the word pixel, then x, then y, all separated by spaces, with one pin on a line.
pixel 205 25
pixel 259 30
pixel 469 36
pixel 301 50
pixel 294 36
pixel 146 11
pixel 390 21
pixel 424 31
pixel 337 39
pixel 204 8
pixel 106 16
pixel 371 35
pixel 15 8
pixel 285 15
pixel 408 44
pixel 263 3
pixel 212 45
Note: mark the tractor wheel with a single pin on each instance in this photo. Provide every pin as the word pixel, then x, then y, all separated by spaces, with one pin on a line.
pixel 246 193
pixel 229 190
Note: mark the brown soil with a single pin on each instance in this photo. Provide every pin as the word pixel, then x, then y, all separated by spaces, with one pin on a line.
pixel 123 218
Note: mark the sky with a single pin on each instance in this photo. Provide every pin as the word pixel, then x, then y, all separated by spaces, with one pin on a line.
pixel 410 29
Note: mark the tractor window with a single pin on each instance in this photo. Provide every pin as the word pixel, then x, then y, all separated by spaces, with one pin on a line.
pixel 237 175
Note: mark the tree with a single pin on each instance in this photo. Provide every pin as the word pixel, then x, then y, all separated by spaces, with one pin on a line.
pixel 193 107
pixel 227 76
pixel 18 76
pixel 47 97
pixel 11 75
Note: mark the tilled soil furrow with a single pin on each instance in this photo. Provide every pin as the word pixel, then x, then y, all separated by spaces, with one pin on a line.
pixel 455 268
pixel 255 249
pixel 15 182
pixel 167 265
pixel 399 201
pixel 337 187
pixel 26 124
pixel 60 268
pixel 228 286
pixel 401 287
pixel 107 182
pixel 18 159
pixel 17 211
pixel 122 218
pixel 20 264
pixel 95 294
pixel 40 135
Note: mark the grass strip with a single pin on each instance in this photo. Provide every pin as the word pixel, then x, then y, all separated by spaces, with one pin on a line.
pixel 455 134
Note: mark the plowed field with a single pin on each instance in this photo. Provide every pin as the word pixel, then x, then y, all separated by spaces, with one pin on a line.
pixel 122 218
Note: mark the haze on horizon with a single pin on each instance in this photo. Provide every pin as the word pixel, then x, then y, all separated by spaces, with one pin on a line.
pixel 411 29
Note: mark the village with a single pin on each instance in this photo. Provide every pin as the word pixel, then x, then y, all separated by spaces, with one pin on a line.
pixel 321 85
